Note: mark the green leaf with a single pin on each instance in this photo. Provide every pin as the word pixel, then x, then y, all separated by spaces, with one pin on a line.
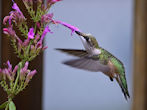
pixel 12 106
pixel 3 105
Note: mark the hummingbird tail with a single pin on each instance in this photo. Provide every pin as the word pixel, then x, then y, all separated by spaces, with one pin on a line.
pixel 122 83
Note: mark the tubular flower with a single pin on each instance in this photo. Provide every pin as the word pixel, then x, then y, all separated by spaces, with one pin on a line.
pixel 16 8
pixel 46 30
pixel 6 18
pixel 36 45
pixel 72 28
pixel 29 76
pixel 39 44
pixel 24 71
pixel 31 33
pixel 9 31
pixel 47 18
pixel 51 2
pixel 8 72
pixel 15 16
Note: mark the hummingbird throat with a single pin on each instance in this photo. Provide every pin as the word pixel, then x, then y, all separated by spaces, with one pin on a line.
pixel 89 48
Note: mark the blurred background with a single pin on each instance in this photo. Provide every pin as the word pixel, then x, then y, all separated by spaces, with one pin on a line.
pixel 119 26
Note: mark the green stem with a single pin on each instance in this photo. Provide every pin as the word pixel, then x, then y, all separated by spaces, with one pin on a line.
pixel 7 106
pixel 18 75
pixel 9 100
pixel 27 53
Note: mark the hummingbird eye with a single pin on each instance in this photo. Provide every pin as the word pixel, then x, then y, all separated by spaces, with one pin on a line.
pixel 87 38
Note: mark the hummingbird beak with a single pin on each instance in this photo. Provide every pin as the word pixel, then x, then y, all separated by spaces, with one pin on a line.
pixel 81 34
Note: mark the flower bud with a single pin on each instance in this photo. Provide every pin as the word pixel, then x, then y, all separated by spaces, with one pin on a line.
pixel 9 66
pixel 51 2
pixel 6 18
pixel 6 71
pixel 9 31
pixel 14 70
pixel 29 76
pixel 24 71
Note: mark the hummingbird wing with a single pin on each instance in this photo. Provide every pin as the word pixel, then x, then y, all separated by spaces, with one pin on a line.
pixel 87 64
pixel 74 52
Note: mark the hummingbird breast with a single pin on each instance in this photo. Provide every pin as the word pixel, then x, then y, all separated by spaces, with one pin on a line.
pixel 95 51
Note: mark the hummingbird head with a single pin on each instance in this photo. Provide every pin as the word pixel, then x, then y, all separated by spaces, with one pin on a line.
pixel 88 39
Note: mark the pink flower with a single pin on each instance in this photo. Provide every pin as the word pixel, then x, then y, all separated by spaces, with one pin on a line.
pixel 45 47
pixel 9 19
pixel 26 65
pixel 9 66
pixel 15 69
pixel 31 33
pixel 24 71
pixel 15 7
pixel 37 37
pixel 7 72
pixel 16 15
pixel 72 28
pixel 26 42
pixel 9 31
pixel 32 48
pixel 39 43
pixel 46 30
pixel 6 18
pixel 47 18
pixel 51 2
pixel 38 25
pixel 19 41
pixel 29 76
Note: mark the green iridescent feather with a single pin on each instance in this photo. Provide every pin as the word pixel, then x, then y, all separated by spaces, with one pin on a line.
pixel 106 56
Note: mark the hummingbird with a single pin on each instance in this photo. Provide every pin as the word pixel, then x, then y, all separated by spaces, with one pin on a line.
pixel 96 59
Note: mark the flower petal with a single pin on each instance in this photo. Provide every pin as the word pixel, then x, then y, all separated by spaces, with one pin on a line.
pixel 15 7
pixel 15 69
pixel 9 31
pixel 30 75
pixel 9 65
pixel 31 33
pixel 47 18
pixel 6 18
pixel 52 1
pixel 46 30
pixel 72 28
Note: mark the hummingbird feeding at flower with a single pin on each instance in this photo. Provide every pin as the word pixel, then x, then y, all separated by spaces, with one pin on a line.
pixel 96 59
